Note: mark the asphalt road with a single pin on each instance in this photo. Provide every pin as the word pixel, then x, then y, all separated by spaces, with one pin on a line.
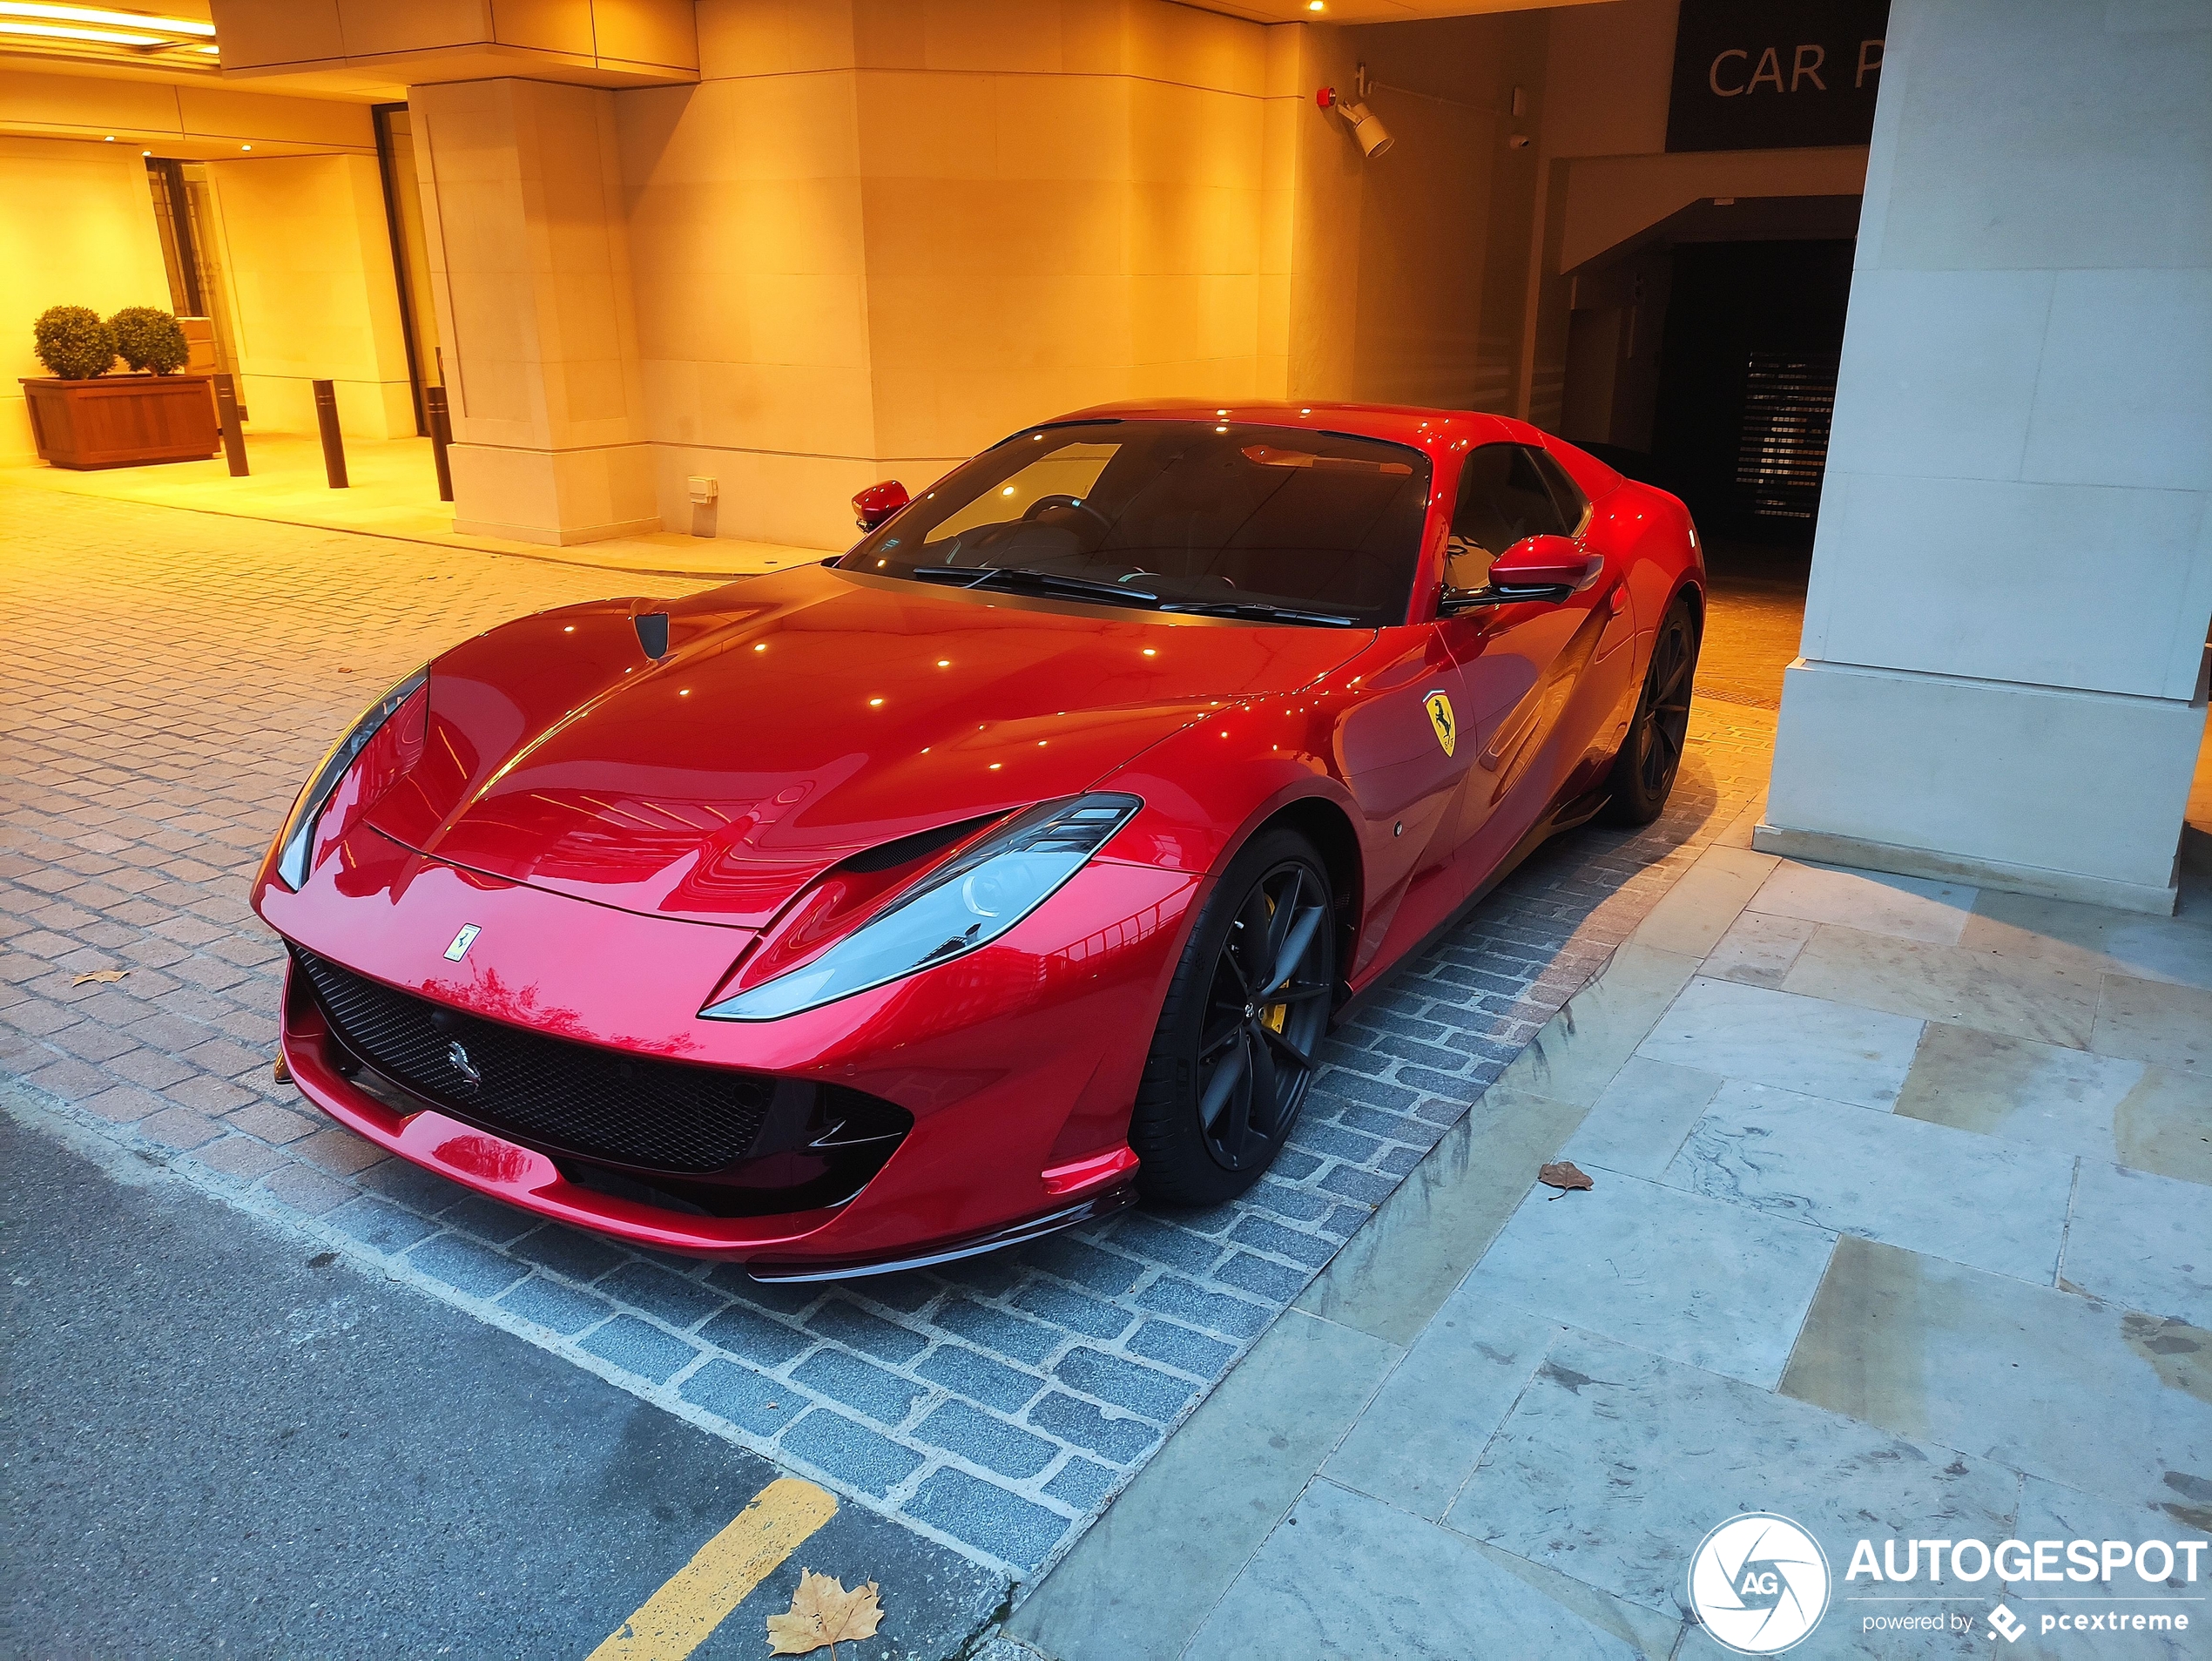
pixel 211 1442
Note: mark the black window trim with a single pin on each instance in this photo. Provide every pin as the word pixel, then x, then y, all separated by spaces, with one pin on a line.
pixel 1555 473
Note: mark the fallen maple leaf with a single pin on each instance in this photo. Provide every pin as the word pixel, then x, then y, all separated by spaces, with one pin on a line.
pixel 103 976
pixel 822 1611
pixel 1563 1175
pixel 281 1073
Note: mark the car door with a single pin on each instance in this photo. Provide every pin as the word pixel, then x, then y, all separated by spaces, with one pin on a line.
pixel 1399 752
pixel 1525 668
pixel 1468 722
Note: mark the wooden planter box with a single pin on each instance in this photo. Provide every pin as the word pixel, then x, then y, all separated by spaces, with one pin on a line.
pixel 122 420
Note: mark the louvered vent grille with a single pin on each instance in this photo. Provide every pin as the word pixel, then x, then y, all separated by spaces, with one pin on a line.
pixel 1787 403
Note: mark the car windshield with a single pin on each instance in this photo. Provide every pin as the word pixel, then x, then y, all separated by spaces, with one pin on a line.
pixel 1192 515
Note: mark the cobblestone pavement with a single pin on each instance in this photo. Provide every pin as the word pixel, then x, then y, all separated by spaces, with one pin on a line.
pixel 170 678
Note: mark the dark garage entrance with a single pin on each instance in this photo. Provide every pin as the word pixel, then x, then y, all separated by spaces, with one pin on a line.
pixel 1701 358
pixel 1747 382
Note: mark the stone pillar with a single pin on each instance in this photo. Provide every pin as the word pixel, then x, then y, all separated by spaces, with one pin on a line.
pixel 2003 678
pixel 529 260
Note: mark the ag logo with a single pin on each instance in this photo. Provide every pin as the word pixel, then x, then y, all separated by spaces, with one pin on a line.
pixel 1760 1583
pixel 1440 717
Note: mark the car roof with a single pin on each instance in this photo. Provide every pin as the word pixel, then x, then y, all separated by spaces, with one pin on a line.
pixel 1439 432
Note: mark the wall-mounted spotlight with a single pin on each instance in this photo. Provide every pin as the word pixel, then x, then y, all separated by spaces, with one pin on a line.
pixel 1366 127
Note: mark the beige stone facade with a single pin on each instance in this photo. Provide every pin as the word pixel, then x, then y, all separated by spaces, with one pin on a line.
pixel 795 245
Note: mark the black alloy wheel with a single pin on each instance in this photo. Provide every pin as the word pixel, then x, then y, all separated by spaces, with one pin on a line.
pixel 1266 1011
pixel 1235 1052
pixel 1643 774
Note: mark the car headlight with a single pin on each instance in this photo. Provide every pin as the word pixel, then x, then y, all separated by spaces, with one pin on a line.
pixel 298 840
pixel 965 903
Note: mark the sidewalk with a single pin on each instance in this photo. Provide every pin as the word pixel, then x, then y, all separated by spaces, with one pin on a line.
pixel 1900 1227
pixel 393 492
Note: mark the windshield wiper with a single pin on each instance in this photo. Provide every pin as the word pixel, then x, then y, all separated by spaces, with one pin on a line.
pixel 1023 577
pixel 1122 594
pixel 1262 612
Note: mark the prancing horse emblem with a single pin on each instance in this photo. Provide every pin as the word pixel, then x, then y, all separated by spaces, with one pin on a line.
pixel 1440 717
pixel 462 942
pixel 457 1053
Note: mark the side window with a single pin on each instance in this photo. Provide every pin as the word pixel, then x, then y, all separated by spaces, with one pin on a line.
pixel 1573 506
pixel 1503 497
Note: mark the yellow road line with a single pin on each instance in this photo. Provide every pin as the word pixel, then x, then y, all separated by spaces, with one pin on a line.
pixel 697 1598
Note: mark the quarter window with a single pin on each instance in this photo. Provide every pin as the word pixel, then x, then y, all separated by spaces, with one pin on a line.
pixel 1573 506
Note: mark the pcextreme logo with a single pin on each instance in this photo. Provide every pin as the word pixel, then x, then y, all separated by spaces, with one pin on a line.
pixel 1759 1583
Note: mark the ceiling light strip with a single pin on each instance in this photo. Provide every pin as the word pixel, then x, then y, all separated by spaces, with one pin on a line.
pixel 101 14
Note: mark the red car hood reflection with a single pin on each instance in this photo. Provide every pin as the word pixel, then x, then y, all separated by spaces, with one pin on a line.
pixel 796 719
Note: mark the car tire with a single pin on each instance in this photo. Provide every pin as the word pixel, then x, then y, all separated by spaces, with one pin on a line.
pixel 1202 1130
pixel 1643 773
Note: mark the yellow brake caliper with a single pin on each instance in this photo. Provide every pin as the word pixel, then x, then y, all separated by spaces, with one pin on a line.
pixel 1275 1014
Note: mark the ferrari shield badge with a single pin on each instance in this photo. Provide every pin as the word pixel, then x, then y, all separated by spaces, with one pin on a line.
pixel 1440 717
pixel 467 938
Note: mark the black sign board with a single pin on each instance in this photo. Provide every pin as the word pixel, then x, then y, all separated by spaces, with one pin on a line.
pixel 1775 74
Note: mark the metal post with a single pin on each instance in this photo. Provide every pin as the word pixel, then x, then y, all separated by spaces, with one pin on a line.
pixel 226 413
pixel 433 404
pixel 333 446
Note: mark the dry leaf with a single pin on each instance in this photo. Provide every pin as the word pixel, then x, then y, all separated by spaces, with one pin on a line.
pixel 1564 1175
pixel 102 975
pixel 822 1611
pixel 281 1073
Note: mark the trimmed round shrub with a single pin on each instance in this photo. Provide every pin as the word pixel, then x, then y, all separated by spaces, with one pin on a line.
pixel 149 338
pixel 73 342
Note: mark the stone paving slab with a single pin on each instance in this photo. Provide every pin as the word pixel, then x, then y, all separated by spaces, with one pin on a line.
pixel 2085 1393
pixel 996 1406
pixel 1947 1192
pixel 1334 1582
pixel 1615 1462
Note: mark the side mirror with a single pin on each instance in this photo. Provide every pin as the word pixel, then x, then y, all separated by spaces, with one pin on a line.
pixel 1546 561
pixel 879 502
pixel 1535 568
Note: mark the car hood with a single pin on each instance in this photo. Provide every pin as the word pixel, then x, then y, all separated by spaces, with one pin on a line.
pixel 794 720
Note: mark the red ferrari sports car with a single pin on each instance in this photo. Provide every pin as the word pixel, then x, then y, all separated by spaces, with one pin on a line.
pixel 1009 867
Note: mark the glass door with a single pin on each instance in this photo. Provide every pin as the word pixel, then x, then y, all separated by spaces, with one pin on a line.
pixel 410 253
pixel 183 212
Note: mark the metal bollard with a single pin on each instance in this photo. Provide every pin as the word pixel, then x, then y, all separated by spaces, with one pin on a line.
pixel 433 405
pixel 226 413
pixel 333 446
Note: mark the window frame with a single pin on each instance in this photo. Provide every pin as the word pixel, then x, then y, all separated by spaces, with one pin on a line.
pixel 1555 476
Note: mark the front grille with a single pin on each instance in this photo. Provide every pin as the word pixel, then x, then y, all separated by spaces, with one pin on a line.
pixel 572 1097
